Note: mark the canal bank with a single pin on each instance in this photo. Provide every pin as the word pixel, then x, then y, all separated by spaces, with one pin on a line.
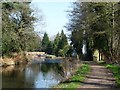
pixel 92 75
pixel 24 58
pixel 76 78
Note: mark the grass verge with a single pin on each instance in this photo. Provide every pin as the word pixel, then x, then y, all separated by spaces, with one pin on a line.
pixel 76 79
pixel 116 72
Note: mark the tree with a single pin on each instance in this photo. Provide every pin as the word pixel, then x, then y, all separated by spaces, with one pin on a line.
pixel 60 45
pixel 100 22
pixel 55 44
pixel 63 40
pixel 114 34
pixel 79 23
pixel 63 46
pixel 45 43
pixel 49 48
pixel 106 26
pixel 17 27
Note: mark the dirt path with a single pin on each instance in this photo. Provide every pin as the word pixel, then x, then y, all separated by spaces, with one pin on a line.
pixel 99 77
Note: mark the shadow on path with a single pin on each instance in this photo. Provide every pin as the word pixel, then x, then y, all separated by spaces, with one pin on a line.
pixel 99 77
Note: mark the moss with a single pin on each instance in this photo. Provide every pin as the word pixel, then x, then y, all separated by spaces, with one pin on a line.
pixel 76 79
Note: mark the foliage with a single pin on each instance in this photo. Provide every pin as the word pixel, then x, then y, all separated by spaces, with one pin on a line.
pixel 63 40
pixel 55 44
pixel 70 51
pixel 49 48
pixel 63 46
pixel 98 25
pixel 46 44
pixel 60 45
pixel 17 28
pixel 79 25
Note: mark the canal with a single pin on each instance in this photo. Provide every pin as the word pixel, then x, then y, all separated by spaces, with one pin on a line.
pixel 37 74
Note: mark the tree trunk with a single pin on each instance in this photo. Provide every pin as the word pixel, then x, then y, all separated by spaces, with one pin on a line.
pixel 99 55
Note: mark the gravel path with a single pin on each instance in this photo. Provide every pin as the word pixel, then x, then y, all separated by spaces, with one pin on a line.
pixel 99 77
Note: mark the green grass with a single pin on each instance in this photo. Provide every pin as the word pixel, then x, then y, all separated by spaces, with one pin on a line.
pixel 76 79
pixel 101 62
pixel 116 72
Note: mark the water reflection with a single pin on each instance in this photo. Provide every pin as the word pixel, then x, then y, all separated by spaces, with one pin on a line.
pixel 36 75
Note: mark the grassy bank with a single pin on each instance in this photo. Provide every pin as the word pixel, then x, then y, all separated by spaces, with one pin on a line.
pixel 76 79
pixel 116 72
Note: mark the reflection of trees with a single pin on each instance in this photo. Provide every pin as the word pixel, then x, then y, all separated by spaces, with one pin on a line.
pixel 13 71
pixel 35 68
pixel 23 76
pixel 31 73
pixel 45 68
pixel 59 69
pixel 69 65
pixel 56 67
pixel 14 76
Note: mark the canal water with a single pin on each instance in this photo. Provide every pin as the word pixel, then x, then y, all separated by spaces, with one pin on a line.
pixel 38 74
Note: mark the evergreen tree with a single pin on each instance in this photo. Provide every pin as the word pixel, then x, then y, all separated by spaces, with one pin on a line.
pixel 63 40
pixel 45 42
pixel 49 49
pixel 55 45
pixel 63 46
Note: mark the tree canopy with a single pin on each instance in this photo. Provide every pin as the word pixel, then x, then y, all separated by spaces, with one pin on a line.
pixel 100 23
pixel 58 47
pixel 18 28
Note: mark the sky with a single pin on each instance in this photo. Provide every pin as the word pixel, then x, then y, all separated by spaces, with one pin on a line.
pixel 54 15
